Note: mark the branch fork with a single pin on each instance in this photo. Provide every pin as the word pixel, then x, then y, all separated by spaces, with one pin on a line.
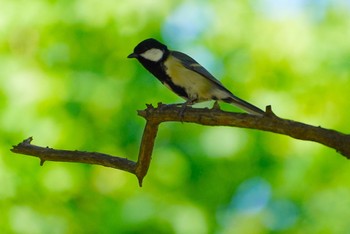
pixel 212 117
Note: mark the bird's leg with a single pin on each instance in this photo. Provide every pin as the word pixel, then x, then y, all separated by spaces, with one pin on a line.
pixel 183 108
pixel 216 106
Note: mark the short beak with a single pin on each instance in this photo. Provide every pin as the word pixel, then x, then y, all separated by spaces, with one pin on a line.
pixel 133 55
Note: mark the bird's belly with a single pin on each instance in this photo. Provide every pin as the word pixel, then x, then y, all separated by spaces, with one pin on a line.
pixel 197 87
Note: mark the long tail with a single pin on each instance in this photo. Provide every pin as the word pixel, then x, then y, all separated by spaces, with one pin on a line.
pixel 251 109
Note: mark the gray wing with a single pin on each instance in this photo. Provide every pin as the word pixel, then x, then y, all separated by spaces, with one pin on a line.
pixel 193 65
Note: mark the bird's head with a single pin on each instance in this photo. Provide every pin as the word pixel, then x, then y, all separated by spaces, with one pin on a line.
pixel 149 49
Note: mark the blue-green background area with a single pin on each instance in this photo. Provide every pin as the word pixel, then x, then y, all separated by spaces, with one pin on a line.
pixel 66 81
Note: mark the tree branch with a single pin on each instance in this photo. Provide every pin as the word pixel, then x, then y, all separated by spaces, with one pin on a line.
pixel 212 117
pixel 270 123
pixel 49 154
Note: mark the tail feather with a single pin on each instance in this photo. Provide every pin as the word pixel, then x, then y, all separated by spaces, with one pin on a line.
pixel 251 109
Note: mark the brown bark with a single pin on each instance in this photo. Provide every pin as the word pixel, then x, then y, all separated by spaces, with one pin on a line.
pixel 213 117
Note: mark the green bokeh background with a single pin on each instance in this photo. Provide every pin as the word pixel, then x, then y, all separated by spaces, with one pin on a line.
pixel 65 80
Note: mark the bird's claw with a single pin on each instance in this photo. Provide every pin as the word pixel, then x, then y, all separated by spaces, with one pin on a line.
pixel 183 108
pixel 216 106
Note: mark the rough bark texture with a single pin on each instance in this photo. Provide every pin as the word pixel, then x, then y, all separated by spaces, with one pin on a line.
pixel 212 117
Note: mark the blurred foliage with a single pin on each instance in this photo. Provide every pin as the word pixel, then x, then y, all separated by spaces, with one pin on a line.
pixel 65 80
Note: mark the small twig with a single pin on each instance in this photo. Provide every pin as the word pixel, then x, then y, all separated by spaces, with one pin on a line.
pixel 49 154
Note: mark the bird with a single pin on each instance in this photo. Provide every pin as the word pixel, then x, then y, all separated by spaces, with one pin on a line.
pixel 185 76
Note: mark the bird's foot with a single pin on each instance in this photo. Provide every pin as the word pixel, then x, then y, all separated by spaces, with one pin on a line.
pixel 216 106
pixel 182 111
pixel 183 108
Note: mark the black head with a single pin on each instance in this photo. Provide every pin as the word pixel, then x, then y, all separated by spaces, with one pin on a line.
pixel 150 49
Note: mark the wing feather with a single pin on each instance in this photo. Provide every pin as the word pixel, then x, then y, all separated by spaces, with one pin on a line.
pixel 193 65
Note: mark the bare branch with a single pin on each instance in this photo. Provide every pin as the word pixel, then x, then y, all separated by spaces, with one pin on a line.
pixel 212 117
pixel 270 123
pixel 139 169
pixel 49 154
pixel 146 149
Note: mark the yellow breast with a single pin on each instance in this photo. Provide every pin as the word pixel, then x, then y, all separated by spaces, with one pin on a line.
pixel 196 86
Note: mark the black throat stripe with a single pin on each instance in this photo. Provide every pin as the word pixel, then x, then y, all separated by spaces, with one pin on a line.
pixel 159 72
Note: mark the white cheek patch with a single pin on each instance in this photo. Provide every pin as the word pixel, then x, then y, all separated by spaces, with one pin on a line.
pixel 153 54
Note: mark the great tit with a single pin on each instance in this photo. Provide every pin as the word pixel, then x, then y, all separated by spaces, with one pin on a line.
pixel 184 76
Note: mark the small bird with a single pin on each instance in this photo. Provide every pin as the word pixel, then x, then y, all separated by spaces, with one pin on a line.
pixel 185 77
